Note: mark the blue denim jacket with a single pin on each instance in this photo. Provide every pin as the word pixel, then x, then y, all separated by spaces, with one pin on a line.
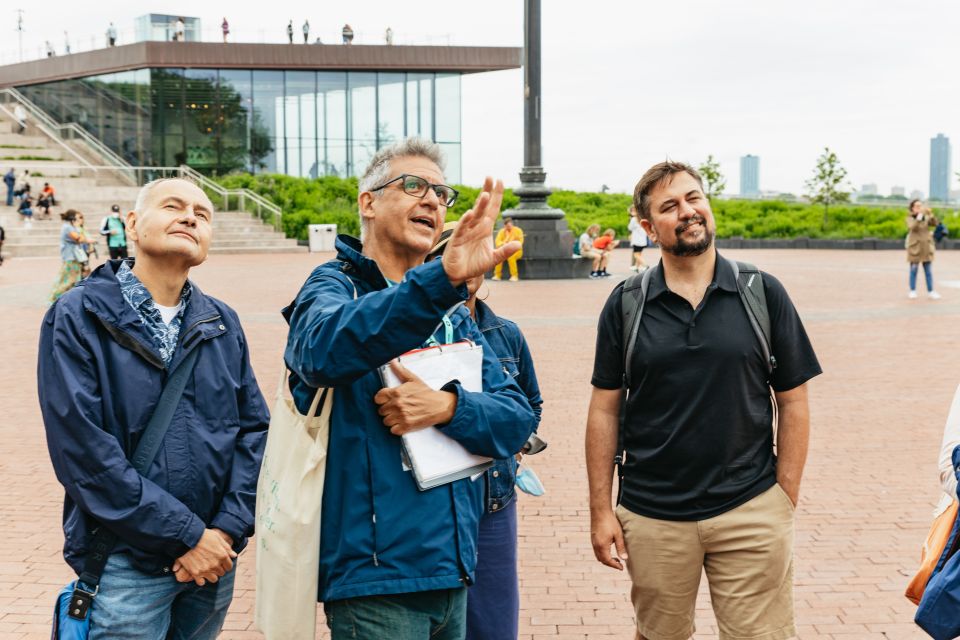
pixel 507 341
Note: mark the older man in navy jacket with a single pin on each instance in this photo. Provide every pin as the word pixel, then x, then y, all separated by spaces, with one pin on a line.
pixel 106 349
pixel 395 561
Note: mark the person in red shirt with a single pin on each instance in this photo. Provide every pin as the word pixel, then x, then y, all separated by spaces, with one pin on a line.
pixel 605 244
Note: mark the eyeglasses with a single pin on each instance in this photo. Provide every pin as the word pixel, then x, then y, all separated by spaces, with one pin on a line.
pixel 418 187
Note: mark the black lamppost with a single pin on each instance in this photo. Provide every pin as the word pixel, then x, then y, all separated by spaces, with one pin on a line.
pixel 548 243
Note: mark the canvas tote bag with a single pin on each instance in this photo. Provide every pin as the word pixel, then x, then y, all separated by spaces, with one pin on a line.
pixel 930 554
pixel 289 495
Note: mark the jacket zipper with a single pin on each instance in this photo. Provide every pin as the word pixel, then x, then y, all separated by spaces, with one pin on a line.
pixel 373 507
pixel 128 341
pixel 192 339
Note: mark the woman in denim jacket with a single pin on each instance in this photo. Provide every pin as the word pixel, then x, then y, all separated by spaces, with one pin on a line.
pixel 493 602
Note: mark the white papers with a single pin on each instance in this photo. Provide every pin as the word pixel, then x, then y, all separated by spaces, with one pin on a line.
pixel 436 458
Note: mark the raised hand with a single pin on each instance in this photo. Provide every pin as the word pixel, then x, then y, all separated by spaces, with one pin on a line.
pixel 413 405
pixel 470 251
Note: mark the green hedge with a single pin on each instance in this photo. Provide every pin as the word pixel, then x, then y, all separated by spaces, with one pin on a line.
pixel 331 200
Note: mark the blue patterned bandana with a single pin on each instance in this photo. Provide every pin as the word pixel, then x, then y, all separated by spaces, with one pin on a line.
pixel 165 335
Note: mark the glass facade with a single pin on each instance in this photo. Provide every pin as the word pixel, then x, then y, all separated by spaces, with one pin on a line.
pixel 158 27
pixel 302 123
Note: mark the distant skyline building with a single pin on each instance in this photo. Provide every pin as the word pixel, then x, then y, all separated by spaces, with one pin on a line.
pixel 916 194
pixel 869 190
pixel 898 191
pixel 940 168
pixel 749 175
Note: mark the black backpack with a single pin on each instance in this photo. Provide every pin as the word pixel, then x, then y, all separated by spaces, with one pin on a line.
pixel 632 300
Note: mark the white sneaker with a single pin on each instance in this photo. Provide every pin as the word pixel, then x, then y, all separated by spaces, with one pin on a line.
pixel 912 295
pixel 933 295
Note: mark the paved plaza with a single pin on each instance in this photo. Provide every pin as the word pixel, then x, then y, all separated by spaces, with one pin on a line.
pixel 890 365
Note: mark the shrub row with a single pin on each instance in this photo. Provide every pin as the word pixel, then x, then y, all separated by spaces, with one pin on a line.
pixel 331 200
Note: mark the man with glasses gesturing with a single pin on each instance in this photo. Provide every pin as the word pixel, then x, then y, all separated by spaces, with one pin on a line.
pixel 395 561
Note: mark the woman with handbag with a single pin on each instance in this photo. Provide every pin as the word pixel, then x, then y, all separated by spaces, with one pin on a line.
pixel 72 254
pixel 920 247
pixel 493 602
pixel 89 245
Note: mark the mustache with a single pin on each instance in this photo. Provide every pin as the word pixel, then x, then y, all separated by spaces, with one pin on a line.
pixel 694 219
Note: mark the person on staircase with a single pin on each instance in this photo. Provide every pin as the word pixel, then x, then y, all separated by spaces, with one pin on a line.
pixel 10 179
pixel 115 230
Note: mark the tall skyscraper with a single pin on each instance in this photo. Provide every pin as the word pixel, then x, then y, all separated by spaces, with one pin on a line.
pixel 940 168
pixel 749 175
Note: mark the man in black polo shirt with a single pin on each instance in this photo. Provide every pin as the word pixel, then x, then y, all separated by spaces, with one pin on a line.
pixel 702 489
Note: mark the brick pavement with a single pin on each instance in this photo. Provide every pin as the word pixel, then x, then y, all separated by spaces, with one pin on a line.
pixel 870 484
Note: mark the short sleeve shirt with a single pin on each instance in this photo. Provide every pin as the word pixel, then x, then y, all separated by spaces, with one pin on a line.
pixel 586 242
pixel 602 242
pixel 698 424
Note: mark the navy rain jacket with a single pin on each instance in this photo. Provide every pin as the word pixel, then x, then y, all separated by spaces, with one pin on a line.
pixel 380 534
pixel 939 610
pixel 507 341
pixel 100 377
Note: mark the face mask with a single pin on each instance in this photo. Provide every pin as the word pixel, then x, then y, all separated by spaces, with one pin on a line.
pixel 528 482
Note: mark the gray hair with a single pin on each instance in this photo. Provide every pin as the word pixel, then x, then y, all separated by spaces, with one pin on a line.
pixel 147 188
pixel 378 171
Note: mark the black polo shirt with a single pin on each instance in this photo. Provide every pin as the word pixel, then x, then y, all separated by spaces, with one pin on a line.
pixel 699 422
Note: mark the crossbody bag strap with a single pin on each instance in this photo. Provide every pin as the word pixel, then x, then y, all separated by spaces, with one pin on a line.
pixel 146 451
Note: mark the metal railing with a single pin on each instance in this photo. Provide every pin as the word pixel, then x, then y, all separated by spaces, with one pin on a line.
pixel 244 199
pixel 226 199
pixel 61 133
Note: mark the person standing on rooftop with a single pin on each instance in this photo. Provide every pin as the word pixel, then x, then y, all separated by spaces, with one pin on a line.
pixel 112 35
pixel 347 34
pixel 225 27
pixel 290 31
pixel 306 31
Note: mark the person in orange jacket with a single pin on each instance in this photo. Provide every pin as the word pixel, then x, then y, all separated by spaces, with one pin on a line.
pixel 509 233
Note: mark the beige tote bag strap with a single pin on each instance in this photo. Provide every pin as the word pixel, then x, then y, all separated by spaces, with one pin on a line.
pixel 281 389
pixel 319 394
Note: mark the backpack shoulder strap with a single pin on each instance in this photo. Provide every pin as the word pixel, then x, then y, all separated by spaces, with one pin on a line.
pixel 750 286
pixel 632 299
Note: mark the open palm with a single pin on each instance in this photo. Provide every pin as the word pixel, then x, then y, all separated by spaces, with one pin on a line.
pixel 470 251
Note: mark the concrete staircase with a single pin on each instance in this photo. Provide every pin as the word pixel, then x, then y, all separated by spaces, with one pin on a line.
pixel 93 193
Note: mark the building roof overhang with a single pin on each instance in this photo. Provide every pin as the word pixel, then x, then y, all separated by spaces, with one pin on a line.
pixel 209 55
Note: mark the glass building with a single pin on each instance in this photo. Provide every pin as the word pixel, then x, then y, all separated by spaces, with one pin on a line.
pixel 304 123
pixel 940 168
pixel 749 175
pixel 161 28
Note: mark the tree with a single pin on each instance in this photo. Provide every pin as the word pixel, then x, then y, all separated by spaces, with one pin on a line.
pixel 825 187
pixel 712 176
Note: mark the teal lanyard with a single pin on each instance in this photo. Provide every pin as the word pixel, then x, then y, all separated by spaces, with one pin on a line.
pixel 447 326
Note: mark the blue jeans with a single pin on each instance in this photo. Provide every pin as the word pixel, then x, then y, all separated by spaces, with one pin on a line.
pixel 423 615
pixel 133 605
pixel 493 602
pixel 9 196
pixel 927 272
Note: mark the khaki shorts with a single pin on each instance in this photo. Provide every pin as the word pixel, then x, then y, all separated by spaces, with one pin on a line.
pixel 747 554
pixel 591 253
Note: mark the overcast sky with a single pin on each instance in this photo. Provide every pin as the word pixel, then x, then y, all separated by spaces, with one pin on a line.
pixel 627 84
